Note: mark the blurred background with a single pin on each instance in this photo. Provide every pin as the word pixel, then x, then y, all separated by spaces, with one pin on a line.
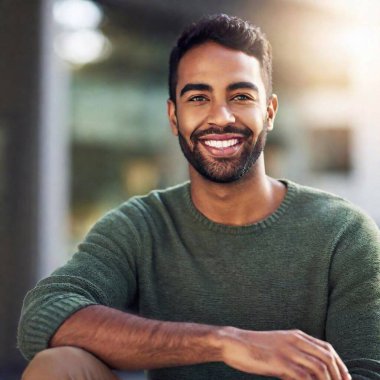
pixel 83 116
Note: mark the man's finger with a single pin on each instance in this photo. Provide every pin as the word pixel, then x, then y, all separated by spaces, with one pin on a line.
pixel 317 369
pixel 320 351
pixel 339 362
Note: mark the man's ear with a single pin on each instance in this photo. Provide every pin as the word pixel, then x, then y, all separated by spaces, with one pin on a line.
pixel 272 111
pixel 172 117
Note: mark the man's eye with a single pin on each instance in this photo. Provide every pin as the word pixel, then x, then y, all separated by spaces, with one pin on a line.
pixel 197 98
pixel 241 97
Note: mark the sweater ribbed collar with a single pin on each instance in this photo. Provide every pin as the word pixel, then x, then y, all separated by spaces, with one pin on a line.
pixel 238 230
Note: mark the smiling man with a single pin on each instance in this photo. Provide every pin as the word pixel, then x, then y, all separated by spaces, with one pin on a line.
pixel 232 275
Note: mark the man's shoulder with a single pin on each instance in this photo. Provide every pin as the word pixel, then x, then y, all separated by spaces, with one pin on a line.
pixel 160 201
pixel 158 197
pixel 327 205
pixel 142 213
pixel 309 193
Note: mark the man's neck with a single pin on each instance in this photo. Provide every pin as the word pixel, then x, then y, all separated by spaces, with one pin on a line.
pixel 247 201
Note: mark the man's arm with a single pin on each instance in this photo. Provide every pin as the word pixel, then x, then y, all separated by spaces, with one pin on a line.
pixel 126 341
pixel 353 318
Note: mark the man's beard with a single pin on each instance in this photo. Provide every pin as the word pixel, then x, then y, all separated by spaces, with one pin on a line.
pixel 223 170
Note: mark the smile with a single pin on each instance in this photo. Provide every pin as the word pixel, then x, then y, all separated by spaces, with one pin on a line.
pixel 221 143
pixel 225 145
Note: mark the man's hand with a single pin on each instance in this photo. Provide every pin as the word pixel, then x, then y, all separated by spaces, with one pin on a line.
pixel 290 354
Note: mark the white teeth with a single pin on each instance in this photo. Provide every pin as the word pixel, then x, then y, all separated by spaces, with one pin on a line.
pixel 221 143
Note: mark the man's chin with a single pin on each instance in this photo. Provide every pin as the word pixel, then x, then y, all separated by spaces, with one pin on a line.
pixel 222 177
pixel 217 169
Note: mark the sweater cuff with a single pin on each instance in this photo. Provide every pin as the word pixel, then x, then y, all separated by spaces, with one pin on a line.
pixel 36 331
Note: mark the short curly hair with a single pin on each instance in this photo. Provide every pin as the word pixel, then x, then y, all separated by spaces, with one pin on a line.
pixel 228 31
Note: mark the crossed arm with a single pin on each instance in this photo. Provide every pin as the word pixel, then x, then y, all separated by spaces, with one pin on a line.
pixel 126 341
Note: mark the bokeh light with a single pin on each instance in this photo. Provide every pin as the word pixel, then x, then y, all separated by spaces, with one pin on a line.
pixel 77 14
pixel 82 47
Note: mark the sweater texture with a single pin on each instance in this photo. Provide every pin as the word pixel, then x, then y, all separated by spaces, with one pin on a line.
pixel 313 265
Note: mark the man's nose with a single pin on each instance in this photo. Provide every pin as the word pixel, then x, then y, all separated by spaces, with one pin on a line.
pixel 221 115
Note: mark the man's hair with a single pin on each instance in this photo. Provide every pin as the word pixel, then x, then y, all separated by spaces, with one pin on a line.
pixel 229 31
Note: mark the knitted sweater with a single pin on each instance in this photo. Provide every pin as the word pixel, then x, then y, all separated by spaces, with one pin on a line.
pixel 314 265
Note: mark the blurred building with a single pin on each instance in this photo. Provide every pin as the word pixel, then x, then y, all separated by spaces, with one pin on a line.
pixel 83 116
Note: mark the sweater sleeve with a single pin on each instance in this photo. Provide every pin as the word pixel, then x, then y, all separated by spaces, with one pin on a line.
pixel 353 319
pixel 103 271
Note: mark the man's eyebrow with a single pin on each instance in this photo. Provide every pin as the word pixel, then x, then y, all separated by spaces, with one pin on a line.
pixel 195 87
pixel 239 85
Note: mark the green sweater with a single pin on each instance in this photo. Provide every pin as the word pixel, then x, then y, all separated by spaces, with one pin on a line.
pixel 314 265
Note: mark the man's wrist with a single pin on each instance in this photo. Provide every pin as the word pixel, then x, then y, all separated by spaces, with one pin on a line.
pixel 220 337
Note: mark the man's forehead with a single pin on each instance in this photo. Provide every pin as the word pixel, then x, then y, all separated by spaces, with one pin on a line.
pixel 212 55
pixel 216 65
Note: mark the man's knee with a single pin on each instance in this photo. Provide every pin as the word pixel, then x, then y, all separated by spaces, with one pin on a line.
pixel 65 363
pixel 50 362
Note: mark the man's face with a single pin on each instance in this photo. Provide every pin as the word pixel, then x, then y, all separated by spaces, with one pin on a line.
pixel 221 114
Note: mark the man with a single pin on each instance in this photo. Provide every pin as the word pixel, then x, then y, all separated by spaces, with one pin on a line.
pixel 234 275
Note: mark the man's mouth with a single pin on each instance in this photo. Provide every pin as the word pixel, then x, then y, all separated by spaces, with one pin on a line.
pixel 222 145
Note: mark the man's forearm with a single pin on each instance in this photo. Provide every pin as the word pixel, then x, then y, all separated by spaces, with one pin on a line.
pixel 126 341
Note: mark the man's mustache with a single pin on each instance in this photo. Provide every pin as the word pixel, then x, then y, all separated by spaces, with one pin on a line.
pixel 246 132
